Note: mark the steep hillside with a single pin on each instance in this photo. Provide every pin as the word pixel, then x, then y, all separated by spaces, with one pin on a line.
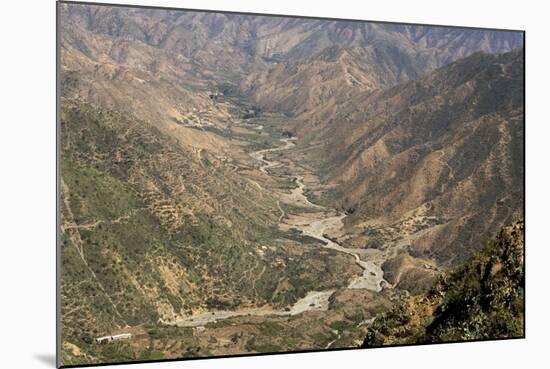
pixel 151 231
pixel 444 152
pixel 482 299
pixel 331 77
pixel 137 78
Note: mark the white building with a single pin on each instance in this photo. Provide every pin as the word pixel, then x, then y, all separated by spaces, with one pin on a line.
pixel 115 337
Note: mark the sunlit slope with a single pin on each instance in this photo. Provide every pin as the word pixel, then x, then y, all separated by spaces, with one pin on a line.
pixel 151 231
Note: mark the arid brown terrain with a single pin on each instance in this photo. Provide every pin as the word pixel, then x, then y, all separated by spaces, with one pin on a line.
pixel 238 184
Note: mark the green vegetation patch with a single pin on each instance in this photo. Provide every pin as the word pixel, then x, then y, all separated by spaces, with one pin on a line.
pixel 482 299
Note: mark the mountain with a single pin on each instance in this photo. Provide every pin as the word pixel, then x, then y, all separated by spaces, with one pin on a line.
pixel 446 149
pixel 269 37
pixel 482 299
pixel 164 65
pixel 330 77
pixel 427 167
pixel 230 46
pixel 336 73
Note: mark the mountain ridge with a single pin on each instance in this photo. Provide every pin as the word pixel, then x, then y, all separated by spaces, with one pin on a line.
pixel 408 130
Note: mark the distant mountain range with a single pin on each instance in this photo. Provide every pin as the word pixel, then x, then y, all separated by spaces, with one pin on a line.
pixel 197 33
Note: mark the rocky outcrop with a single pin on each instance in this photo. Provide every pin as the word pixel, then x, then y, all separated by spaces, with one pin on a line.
pixel 482 299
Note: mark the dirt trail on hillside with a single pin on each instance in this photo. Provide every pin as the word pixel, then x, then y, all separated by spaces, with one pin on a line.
pixel 72 231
